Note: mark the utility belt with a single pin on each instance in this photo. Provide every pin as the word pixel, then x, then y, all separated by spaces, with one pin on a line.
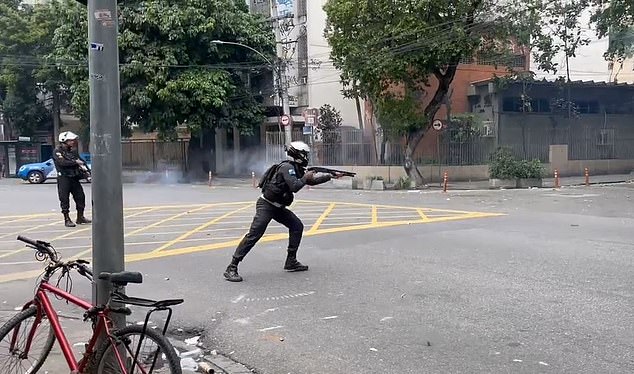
pixel 277 200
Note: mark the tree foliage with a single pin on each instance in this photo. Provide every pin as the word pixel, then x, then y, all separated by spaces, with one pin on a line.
pixel 615 19
pixel 24 77
pixel 329 124
pixel 402 55
pixel 171 74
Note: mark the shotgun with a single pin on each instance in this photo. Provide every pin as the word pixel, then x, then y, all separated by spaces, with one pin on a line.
pixel 320 169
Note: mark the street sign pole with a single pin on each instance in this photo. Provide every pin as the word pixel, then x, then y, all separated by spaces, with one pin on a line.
pixel 438 125
pixel 105 146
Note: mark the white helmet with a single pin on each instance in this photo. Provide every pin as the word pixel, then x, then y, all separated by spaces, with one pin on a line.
pixel 66 136
pixel 298 151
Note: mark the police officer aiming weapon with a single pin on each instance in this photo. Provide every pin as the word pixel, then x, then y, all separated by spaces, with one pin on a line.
pixel 71 169
pixel 278 185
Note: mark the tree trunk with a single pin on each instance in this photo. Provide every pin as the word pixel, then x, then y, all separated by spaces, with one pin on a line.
pixel 410 166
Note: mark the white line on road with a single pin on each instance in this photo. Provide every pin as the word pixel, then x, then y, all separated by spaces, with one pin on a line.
pixel 271 328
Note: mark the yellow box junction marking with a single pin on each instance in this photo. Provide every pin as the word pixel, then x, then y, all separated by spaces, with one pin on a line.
pixel 322 217
pixel 199 228
pixel 422 215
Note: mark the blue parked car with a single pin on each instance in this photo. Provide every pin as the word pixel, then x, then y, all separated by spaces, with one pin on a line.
pixel 39 172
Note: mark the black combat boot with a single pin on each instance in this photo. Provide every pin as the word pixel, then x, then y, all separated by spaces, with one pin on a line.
pixel 67 221
pixel 291 262
pixel 231 274
pixel 81 219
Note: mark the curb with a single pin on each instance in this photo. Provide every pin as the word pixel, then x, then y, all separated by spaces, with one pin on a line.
pixel 208 361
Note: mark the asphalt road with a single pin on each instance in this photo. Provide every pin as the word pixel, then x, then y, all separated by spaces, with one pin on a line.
pixel 545 288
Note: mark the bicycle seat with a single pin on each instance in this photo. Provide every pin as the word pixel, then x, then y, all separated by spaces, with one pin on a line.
pixel 122 278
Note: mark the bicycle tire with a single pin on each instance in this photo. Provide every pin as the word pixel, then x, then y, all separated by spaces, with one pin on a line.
pixel 167 351
pixel 7 329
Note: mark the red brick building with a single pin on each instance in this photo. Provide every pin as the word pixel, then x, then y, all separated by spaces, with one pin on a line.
pixel 458 101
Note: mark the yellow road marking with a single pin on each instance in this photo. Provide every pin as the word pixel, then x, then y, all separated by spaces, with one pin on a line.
pixel 393 207
pixel 424 218
pixel 275 237
pixel 170 218
pixel 322 217
pixel 89 250
pixel 375 215
pixel 29 216
pixel 19 220
pixel 55 238
pixel 29 229
pixel 199 228
pixel 422 215
pixel 173 206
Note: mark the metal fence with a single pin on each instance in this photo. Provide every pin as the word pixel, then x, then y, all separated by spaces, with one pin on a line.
pixel 351 147
pixel 584 143
pixel 153 155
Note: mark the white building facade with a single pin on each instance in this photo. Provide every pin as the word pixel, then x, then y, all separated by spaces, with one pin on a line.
pixel 311 77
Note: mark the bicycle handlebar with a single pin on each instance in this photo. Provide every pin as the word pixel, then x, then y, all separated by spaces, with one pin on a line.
pixel 27 240
pixel 44 248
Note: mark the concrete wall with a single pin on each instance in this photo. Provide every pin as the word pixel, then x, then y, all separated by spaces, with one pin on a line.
pixel 559 160
pixel 430 173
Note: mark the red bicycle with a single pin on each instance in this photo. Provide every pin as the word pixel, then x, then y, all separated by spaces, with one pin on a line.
pixel 27 338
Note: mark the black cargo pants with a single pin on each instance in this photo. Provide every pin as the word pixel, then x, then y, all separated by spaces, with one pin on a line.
pixel 264 213
pixel 67 186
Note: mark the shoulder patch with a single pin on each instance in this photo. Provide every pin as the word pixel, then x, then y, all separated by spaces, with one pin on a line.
pixel 291 171
pixel 58 154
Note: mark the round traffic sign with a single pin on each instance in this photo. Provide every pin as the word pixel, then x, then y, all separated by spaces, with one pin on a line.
pixel 437 125
pixel 286 120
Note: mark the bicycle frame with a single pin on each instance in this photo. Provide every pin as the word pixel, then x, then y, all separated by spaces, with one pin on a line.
pixel 45 308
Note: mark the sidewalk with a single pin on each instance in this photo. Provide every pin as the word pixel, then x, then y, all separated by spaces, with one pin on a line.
pixel 194 358
pixel 546 182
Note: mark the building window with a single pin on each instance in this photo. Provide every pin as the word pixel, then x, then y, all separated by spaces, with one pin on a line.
pixel 519 61
pixel 516 104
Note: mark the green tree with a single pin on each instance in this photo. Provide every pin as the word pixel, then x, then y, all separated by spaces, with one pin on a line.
pixel 329 124
pixel 615 19
pixel 404 54
pixel 171 73
pixel 23 76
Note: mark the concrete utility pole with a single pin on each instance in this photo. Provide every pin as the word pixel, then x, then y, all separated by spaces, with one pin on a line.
pixel 281 58
pixel 105 145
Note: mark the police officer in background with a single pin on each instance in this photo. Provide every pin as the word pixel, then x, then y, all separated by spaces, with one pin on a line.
pixel 278 184
pixel 71 169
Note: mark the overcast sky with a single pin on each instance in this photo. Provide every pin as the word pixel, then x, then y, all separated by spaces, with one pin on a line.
pixel 588 64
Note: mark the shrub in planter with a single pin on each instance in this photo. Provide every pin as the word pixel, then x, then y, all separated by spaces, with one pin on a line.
pixel 502 168
pixel 507 171
pixel 529 173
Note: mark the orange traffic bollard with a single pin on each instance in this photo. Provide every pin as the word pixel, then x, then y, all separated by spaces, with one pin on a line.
pixel 210 178
pixel 586 173
pixel 445 179
pixel 556 178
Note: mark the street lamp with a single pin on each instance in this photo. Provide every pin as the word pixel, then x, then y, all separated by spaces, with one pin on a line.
pixel 282 91
pixel 247 47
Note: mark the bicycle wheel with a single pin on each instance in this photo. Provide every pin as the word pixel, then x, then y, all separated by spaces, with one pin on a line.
pixel 158 357
pixel 13 361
